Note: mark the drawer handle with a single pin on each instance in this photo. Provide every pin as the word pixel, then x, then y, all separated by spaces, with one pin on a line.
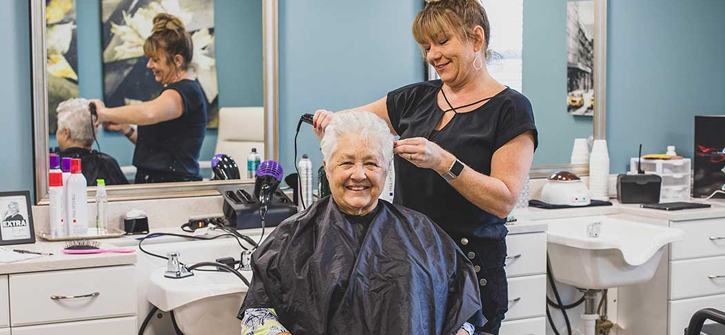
pixel 514 300
pixel 65 297
pixel 716 276
pixel 715 238
pixel 510 258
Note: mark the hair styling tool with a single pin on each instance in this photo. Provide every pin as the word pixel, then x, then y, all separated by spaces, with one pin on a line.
pixel 306 118
pixel 94 113
pixel 89 247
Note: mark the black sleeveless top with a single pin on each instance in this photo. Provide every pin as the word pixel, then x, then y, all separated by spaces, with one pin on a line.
pixel 472 137
pixel 171 148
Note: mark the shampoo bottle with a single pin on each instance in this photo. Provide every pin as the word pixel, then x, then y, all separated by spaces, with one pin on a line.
pixel 77 201
pixel 253 161
pixel 57 221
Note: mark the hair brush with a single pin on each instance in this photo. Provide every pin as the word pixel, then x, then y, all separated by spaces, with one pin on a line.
pixel 89 247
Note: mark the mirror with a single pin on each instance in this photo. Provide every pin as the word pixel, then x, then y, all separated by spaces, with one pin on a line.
pixel 553 52
pixel 94 50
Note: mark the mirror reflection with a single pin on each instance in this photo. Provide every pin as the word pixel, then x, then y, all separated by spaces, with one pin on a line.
pixel 169 81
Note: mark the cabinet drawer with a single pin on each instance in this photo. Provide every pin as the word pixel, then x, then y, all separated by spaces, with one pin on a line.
pixel 114 326
pixel 535 326
pixel 4 303
pixel 703 238
pixel 681 311
pixel 113 290
pixel 697 277
pixel 526 297
pixel 526 254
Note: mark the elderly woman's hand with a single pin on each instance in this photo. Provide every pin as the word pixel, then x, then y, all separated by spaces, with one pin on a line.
pixel 320 121
pixel 424 154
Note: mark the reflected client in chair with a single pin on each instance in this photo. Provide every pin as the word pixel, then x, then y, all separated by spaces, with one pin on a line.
pixel 75 135
pixel 353 264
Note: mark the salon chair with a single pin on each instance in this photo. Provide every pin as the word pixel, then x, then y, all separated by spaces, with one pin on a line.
pixel 240 130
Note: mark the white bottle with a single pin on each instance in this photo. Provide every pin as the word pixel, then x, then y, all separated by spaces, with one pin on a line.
pixel 65 167
pixel 671 150
pixel 253 161
pixel 57 221
pixel 77 201
pixel 101 207
pixel 305 183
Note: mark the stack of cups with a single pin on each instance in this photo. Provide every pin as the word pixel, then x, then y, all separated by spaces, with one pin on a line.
pixel 599 171
pixel 580 153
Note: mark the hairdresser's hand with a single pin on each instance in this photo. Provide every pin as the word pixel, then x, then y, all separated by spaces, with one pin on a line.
pixel 123 128
pixel 320 121
pixel 424 154
pixel 100 111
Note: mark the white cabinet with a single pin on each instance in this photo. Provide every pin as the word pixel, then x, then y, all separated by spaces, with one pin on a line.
pixel 690 279
pixel 526 272
pixel 4 303
pixel 82 301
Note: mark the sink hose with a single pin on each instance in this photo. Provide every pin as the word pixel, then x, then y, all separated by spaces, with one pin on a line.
pixel 550 275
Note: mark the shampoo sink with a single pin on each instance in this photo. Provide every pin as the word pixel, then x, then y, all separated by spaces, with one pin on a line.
pixel 604 252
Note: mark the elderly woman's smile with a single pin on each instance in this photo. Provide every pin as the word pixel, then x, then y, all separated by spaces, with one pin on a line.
pixel 356 174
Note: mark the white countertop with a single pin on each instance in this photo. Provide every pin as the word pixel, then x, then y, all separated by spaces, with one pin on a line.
pixel 61 261
pixel 716 211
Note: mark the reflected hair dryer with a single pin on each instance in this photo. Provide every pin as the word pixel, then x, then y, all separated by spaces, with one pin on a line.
pixel 224 167
pixel 269 175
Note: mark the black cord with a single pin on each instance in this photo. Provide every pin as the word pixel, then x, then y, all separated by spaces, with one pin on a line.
pixel 147 320
pixel 550 275
pixel 551 321
pixel 297 169
pixel 140 247
pixel 176 326
pixel 604 297
pixel 225 267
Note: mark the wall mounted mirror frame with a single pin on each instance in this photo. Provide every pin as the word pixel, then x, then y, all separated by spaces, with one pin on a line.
pixel 148 191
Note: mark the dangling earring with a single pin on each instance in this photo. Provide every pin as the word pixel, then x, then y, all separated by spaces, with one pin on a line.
pixel 478 58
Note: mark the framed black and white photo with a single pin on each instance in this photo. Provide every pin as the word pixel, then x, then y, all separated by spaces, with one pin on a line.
pixel 16 225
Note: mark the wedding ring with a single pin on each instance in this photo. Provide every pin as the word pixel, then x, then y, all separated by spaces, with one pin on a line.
pixel 410 157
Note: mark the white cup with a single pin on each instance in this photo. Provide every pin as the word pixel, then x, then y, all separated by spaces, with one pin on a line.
pixel 580 152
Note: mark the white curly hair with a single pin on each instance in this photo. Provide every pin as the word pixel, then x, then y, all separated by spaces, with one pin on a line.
pixel 364 124
pixel 75 115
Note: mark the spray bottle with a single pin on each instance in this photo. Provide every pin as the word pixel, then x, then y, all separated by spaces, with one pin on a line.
pixel 77 201
pixel 57 221
pixel 305 183
pixel 253 161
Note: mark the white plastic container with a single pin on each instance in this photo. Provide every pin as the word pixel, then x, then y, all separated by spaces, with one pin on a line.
pixel 675 173
pixel 253 161
pixel 57 221
pixel 305 183
pixel 77 201
pixel 101 207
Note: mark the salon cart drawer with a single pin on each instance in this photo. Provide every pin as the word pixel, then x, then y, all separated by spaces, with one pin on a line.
pixel 526 254
pixel 697 277
pixel 114 326
pixel 4 303
pixel 59 296
pixel 536 326
pixel 682 310
pixel 703 238
pixel 526 297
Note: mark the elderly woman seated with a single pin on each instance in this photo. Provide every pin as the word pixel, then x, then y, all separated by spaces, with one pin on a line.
pixel 353 264
pixel 75 136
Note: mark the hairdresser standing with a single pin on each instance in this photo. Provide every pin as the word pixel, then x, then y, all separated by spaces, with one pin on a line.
pixel 466 143
pixel 171 126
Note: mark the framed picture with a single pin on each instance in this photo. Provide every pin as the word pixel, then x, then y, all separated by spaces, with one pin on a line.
pixel 16 226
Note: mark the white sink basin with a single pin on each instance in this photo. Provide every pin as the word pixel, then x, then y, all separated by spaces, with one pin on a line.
pixel 625 252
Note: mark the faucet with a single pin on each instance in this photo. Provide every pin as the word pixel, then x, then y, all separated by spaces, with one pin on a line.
pixel 174 268
pixel 594 228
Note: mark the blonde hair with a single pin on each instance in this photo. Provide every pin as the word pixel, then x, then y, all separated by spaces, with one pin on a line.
pixel 461 16
pixel 169 35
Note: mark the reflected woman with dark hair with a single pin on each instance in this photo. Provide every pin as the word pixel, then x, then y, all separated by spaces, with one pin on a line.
pixel 172 126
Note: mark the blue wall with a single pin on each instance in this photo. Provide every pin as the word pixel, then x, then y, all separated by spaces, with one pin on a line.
pixel 544 81
pixel 340 54
pixel 238 48
pixel 664 66
pixel 16 138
